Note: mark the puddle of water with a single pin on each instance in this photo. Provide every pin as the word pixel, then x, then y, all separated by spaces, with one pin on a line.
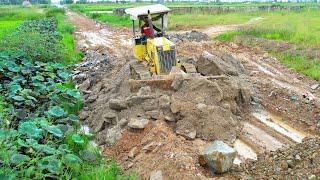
pixel 244 152
pixel 100 12
pixel 261 138
pixel 278 125
pixel 263 69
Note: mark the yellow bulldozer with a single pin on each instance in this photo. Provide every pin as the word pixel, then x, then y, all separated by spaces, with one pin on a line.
pixel 156 58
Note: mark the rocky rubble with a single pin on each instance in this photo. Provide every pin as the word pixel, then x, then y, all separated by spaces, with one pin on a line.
pixel 203 107
pixel 91 68
pixel 301 161
pixel 188 36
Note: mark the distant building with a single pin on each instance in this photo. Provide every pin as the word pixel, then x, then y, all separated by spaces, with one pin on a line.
pixel 26 3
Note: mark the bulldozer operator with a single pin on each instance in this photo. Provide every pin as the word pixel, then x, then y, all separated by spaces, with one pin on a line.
pixel 146 30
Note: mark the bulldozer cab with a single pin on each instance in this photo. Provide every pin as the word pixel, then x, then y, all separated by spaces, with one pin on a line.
pixel 156 15
pixel 154 50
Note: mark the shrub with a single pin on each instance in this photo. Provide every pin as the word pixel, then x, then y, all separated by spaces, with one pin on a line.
pixel 53 12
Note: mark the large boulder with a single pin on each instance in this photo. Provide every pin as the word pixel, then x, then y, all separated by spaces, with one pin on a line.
pixel 117 104
pixel 218 156
pixel 138 123
pixel 218 63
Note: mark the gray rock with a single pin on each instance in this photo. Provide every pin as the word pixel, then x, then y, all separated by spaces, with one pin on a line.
pixel 118 104
pixel 315 86
pixel 144 91
pixel 219 156
pixel 110 118
pixel 156 175
pixel 123 122
pixel 133 152
pixel 85 85
pixel 155 114
pixel 83 115
pixel 169 118
pixel 177 82
pixel 218 63
pixel 138 123
pixel 113 135
pixel 101 125
pixel 312 177
pixel 134 100
pixel 92 98
pixel 150 104
pixel 164 101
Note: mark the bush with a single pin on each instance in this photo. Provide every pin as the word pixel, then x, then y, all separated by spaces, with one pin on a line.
pixel 53 12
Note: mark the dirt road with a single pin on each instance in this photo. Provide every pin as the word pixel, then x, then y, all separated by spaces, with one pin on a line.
pixel 284 108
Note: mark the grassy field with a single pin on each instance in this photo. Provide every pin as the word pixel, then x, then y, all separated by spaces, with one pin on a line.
pixel 12 16
pixel 301 29
pixel 176 21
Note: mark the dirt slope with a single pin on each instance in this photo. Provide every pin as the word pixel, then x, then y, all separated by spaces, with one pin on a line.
pixel 281 110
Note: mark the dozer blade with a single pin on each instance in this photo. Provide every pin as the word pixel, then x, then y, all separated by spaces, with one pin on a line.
pixel 141 76
pixel 165 84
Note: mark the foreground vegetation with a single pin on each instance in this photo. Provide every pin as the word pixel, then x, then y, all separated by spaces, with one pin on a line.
pixel 40 135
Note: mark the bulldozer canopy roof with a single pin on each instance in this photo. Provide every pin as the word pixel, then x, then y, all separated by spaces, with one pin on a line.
pixel 143 10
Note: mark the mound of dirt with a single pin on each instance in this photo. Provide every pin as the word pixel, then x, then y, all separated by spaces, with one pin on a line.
pixel 207 107
pixel 301 161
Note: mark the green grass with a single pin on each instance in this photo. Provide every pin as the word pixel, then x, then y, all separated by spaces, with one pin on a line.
pixel 301 29
pixel 189 21
pixel 12 16
pixel 66 30
pixel 300 64
pixel 183 21
pixel 298 28
pixel 7 26
pixel 176 21
pixel 117 21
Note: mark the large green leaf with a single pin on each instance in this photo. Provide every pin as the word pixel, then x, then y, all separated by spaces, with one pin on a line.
pixel 77 139
pixel 30 129
pixel 14 69
pixel 18 159
pixel 63 148
pixel 56 111
pixel 74 93
pixel 18 98
pixel 54 130
pixel 14 88
pixel 61 87
pixel 45 149
pixel 88 155
pixel 50 163
pixel 63 74
pixel 71 159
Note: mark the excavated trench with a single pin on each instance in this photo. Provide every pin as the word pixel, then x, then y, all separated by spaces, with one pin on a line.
pixel 186 119
pixel 265 132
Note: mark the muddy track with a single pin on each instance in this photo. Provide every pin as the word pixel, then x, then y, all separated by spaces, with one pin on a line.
pixel 275 120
